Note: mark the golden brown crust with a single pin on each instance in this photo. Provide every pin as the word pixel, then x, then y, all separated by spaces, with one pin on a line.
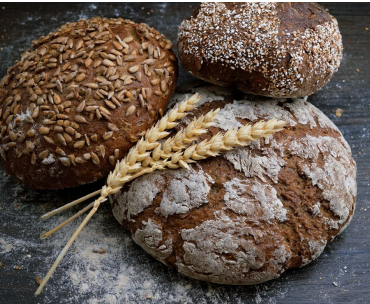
pixel 76 103
pixel 269 49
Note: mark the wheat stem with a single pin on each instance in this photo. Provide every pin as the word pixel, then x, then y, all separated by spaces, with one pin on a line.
pixel 65 249
pixel 71 204
pixel 49 233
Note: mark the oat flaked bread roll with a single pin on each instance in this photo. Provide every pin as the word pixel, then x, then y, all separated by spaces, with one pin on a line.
pixel 269 49
pixel 77 102
pixel 249 215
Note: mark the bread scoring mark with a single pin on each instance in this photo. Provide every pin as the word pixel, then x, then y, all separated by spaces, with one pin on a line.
pixel 337 178
pixel 140 196
pixel 151 240
pixel 221 251
pixel 305 113
pixel 188 189
pixel 316 247
pixel 247 37
pixel 259 202
pixel 255 165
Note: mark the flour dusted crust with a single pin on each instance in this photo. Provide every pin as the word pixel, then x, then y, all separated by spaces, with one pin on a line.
pixel 249 215
pixel 269 49
pixel 81 99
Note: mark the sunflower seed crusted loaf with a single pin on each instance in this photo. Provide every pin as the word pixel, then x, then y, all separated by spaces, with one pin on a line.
pixel 77 102
pixel 249 215
pixel 269 49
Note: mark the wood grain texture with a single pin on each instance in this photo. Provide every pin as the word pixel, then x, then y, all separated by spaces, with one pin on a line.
pixel 346 261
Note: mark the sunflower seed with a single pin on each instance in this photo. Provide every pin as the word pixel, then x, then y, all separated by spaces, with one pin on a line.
pixel 117 45
pixel 128 80
pixel 94 137
pixel 36 112
pixel 129 94
pixel 104 110
pixel 107 135
pixel 58 129
pixel 80 77
pixel 79 144
pixel 92 85
pixel 33 158
pixel 108 63
pixel 60 151
pixel 130 110
pixel 61 139
pixel 98 114
pixel 44 130
pixel 130 58
pixel 95 158
pixel 81 106
pixel 155 81
pixel 150 49
pixel 163 86
pixel 128 39
pixel 112 127
pixel 134 69
pixel 70 130
pixel 30 133
pixel 57 99
pixel 86 156
pixel 13 136
pixel 65 161
pixel 30 146
pixel 139 76
pixel 80 160
pixel 44 154
pixel 110 104
pixel 101 149
pixel 149 61
pixel 80 119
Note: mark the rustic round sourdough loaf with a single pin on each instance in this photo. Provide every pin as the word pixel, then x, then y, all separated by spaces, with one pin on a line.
pixel 249 215
pixel 269 49
pixel 77 102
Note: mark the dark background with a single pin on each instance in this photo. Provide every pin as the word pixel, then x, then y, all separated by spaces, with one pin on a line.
pixel 125 273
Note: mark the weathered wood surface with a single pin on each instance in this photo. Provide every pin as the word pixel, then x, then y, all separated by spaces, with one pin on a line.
pixel 125 273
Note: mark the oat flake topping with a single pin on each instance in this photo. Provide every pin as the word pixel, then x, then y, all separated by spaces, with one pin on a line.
pixel 249 37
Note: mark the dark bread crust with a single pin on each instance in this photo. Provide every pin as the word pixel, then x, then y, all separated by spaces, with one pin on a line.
pixel 278 244
pixel 276 50
pixel 89 107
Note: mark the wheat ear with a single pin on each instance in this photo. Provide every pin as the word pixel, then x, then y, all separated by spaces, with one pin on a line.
pixel 220 143
pixel 148 142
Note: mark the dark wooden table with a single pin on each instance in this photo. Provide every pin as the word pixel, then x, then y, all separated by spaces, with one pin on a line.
pixel 124 273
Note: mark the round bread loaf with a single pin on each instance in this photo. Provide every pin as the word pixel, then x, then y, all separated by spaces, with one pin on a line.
pixel 269 49
pixel 249 215
pixel 77 102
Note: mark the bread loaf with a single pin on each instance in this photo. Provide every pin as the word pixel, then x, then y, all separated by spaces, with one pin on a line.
pixel 249 215
pixel 81 98
pixel 270 49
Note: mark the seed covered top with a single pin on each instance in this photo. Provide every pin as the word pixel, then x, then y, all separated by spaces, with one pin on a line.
pixel 82 97
pixel 278 41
